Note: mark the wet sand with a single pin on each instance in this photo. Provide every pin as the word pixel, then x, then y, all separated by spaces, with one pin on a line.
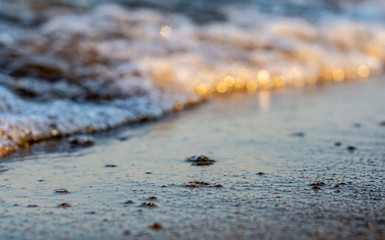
pixel 297 164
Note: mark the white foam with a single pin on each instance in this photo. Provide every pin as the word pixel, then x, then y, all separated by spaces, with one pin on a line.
pixel 90 71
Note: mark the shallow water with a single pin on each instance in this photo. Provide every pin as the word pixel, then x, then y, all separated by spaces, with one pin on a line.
pixel 69 67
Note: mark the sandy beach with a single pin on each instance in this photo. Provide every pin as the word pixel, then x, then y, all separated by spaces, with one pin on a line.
pixel 174 119
pixel 303 163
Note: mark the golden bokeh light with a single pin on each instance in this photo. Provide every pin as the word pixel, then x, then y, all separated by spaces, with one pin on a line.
pixel 229 80
pixel 251 86
pixel 278 82
pixel 263 76
pixel 338 75
pixel 202 89
pixel 363 71
pixel 221 87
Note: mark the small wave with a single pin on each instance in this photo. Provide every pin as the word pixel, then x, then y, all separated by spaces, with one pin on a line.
pixel 70 68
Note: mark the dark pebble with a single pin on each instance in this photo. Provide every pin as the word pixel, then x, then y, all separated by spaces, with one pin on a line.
pixel 63 205
pixel 196 184
pixel 91 212
pixel 317 184
pixel 149 205
pixel 148 172
pixel 337 144
pixel 110 165
pixel 200 160
pixel 32 205
pixel 152 198
pixel 260 173
pixel 156 226
pixel 61 191
pixel 382 123
pixel 298 134
pixel 127 232
pixel 129 202
pixel 351 148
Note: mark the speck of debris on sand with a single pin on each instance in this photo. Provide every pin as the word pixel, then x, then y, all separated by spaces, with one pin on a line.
pixel 298 134
pixel 110 165
pixel 351 148
pixel 63 205
pixel 317 185
pixel 148 205
pixel 156 226
pixel 197 184
pixel 61 191
pixel 200 160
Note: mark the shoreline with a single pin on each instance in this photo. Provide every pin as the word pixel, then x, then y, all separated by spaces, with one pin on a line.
pixel 133 182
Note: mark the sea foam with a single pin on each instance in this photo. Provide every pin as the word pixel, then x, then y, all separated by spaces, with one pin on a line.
pixel 88 66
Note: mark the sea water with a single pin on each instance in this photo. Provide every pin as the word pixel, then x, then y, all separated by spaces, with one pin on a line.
pixel 69 67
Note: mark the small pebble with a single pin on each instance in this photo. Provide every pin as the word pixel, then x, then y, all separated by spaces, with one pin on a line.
pixel 156 226
pixel 61 191
pixel 351 148
pixel 110 165
pixel 200 160
pixel 63 205
pixel 298 134
pixel 317 184
pixel 149 205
